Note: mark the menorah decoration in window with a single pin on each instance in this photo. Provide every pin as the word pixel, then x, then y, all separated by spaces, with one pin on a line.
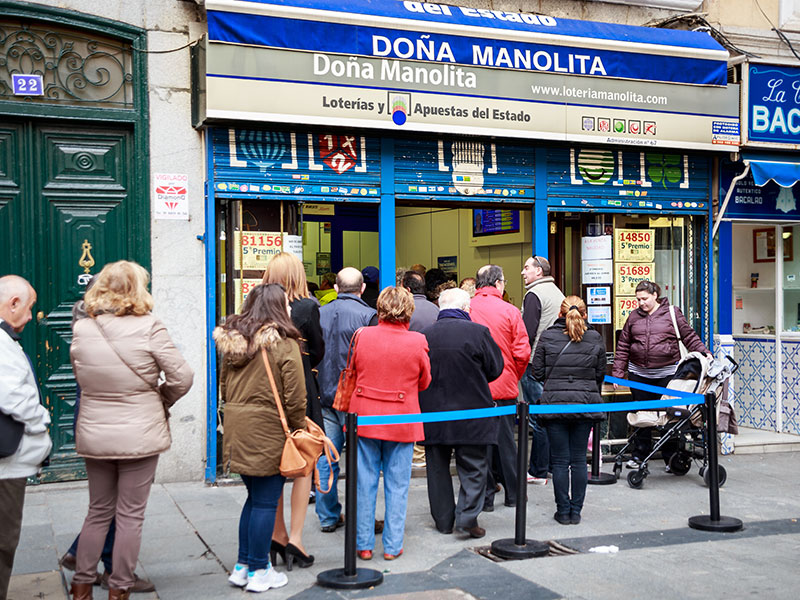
pixel 75 69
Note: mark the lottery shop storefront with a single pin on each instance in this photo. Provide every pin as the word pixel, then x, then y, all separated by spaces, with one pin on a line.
pixel 378 135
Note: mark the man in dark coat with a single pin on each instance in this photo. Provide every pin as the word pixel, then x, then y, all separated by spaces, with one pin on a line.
pixel 464 359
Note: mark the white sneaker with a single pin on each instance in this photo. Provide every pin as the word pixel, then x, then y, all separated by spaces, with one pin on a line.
pixel 238 575
pixel 265 579
pixel 632 464
pixel 418 465
pixel 537 480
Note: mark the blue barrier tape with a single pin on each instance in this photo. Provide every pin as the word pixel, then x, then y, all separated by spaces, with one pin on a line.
pixel 681 399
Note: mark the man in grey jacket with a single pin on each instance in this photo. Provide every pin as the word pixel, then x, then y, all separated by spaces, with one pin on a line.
pixel 20 400
pixel 339 320
pixel 540 308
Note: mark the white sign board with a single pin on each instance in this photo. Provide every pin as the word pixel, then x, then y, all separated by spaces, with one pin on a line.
pixel 597 271
pixel 596 247
pixel 171 196
pixel 598 295
pixel 599 315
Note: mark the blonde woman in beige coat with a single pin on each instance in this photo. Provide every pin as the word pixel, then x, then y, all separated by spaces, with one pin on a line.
pixel 118 356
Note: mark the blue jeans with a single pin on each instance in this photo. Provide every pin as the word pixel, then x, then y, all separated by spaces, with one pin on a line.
pixel 539 463
pixel 327 505
pixel 568 441
pixel 394 459
pixel 108 546
pixel 258 519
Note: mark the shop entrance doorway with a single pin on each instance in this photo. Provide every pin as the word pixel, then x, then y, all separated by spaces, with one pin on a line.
pixel 326 237
pixel 458 239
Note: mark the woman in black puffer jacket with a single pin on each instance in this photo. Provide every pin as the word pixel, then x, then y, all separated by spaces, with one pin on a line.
pixel 570 359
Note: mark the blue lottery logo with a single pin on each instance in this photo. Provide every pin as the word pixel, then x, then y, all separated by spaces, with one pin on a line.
pixel 399 111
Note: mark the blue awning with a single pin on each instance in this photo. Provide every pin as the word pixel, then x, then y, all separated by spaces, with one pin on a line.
pixel 471 36
pixel 785 174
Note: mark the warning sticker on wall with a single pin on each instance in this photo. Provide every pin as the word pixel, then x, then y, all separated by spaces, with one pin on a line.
pixel 170 196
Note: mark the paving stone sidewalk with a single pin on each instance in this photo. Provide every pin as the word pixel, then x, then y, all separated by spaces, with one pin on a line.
pixel 190 533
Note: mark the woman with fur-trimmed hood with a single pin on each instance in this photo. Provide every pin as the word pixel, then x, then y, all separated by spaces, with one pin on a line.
pixel 253 436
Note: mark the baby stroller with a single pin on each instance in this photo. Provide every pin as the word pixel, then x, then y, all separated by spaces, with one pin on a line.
pixel 683 426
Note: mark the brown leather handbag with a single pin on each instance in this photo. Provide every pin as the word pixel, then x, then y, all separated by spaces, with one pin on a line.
pixel 347 379
pixel 303 447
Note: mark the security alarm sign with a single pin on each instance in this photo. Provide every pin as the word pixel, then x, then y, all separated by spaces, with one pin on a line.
pixel 170 196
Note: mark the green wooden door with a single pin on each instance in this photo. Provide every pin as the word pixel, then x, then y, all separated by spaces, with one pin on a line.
pixel 66 209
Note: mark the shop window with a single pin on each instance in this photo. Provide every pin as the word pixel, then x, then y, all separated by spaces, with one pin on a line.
pixel 603 257
pixel 753 279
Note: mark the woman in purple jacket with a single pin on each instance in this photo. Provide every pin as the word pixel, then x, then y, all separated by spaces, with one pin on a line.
pixel 648 349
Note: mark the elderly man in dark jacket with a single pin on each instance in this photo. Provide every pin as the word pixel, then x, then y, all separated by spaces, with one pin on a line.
pixel 464 359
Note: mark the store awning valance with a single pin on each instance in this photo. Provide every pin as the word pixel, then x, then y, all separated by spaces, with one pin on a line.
pixel 472 37
pixel 785 174
pixel 441 69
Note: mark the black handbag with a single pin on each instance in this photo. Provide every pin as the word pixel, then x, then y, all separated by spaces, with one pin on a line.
pixel 10 435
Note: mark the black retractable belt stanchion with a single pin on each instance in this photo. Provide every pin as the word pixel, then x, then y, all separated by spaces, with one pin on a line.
pixel 519 547
pixel 596 477
pixel 713 521
pixel 350 578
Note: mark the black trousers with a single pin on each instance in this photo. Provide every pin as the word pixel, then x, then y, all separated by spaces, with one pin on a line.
pixel 12 498
pixel 472 465
pixel 503 462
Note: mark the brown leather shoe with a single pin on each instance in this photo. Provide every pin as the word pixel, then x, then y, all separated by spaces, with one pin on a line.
pixel 81 591
pixel 140 585
pixel 115 594
pixel 67 561
pixel 475 532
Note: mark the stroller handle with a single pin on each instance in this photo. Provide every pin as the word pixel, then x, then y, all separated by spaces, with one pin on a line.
pixel 733 362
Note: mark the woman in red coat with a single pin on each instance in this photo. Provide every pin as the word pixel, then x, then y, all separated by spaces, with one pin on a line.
pixel 392 366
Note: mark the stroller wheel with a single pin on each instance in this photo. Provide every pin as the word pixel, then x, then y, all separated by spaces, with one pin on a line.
pixel 617 470
pixel 636 479
pixel 723 475
pixel 680 463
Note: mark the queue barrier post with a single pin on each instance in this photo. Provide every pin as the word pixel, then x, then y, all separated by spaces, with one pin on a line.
pixel 519 547
pixel 350 577
pixel 595 476
pixel 713 521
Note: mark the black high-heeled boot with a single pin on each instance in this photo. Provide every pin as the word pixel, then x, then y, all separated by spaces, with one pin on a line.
pixel 294 554
pixel 277 549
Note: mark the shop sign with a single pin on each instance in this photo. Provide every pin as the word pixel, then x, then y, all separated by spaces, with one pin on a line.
pixel 596 271
pixel 599 315
pixel 596 247
pixel 629 275
pixel 634 245
pixel 448 264
pixel 773 105
pixel 598 295
pixel 623 306
pixel 319 209
pixel 334 71
pixel 254 249
pixel 749 201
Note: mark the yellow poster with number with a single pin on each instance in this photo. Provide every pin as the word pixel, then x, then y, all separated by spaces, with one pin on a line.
pixel 628 275
pixel 634 245
pixel 241 288
pixel 256 249
pixel 623 306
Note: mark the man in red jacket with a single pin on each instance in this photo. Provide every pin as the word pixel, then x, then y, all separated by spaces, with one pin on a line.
pixel 508 331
